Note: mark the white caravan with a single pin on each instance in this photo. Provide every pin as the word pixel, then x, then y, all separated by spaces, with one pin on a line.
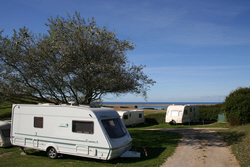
pixel 5 133
pixel 75 130
pixel 182 113
pixel 132 117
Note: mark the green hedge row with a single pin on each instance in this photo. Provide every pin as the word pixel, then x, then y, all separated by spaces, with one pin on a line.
pixel 155 119
pixel 237 106
pixel 210 112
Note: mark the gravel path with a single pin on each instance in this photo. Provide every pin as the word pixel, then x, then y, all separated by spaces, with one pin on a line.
pixel 201 148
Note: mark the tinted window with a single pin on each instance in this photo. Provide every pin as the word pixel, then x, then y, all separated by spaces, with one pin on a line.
pixel 125 116
pixel 83 127
pixel 185 112
pixel 114 128
pixel 38 122
pixel 140 115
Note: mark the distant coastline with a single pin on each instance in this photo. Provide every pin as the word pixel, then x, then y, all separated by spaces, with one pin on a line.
pixel 156 105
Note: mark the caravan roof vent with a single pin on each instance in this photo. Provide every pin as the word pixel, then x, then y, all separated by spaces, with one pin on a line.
pixel 64 104
pixel 95 105
pixel 71 103
pixel 46 104
pixel 84 106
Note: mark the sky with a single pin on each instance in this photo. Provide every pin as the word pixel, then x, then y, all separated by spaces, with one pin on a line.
pixel 195 50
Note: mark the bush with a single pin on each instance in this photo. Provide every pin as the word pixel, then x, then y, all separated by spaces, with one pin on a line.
pixel 210 112
pixel 5 116
pixel 155 119
pixel 237 106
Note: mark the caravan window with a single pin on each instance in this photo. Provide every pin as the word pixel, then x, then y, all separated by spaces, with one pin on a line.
pixel 185 112
pixel 125 116
pixel 114 127
pixel 174 113
pixel 140 115
pixel 83 127
pixel 38 122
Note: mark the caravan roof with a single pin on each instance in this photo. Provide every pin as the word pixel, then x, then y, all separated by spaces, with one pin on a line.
pixel 98 113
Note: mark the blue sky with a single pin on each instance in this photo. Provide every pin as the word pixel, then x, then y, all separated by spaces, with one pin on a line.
pixel 196 51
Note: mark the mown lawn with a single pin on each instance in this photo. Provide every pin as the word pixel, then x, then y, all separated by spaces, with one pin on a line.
pixel 159 145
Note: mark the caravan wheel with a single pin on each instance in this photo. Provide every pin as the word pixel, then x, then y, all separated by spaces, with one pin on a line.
pixel 51 152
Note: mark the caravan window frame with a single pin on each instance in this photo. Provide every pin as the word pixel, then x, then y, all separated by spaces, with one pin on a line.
pixel 86 127
pixel 38 122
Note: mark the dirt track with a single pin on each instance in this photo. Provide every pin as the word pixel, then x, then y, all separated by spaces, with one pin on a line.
pixel 201 148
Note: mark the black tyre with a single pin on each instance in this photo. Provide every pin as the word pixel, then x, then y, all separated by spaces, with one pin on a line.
pixel 52 153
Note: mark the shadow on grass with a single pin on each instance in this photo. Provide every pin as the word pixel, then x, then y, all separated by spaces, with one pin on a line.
pixel 232 137
pixel 151 121
pixel 155 142
pixel 202 123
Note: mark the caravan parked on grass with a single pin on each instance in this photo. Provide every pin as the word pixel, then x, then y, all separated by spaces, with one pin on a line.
pixel 132 117
pixel 182 113
pixel 5 133
pixel 75 130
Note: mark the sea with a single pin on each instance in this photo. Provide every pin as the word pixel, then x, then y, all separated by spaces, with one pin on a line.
pixel 157 105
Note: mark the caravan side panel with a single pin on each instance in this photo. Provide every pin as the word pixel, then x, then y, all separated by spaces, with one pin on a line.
pixel 191 113
pixel 132 117
pixel 43 127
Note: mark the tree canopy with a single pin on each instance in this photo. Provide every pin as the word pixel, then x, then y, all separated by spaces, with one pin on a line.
pixel 237 106
pixel 76 61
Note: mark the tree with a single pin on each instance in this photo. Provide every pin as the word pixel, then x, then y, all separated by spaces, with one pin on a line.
pixel 75 61
pixel 237 106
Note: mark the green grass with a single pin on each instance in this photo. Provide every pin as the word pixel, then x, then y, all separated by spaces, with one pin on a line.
pixel 167 125
pixel 238 138
pixel 159 144
pixel 8 149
